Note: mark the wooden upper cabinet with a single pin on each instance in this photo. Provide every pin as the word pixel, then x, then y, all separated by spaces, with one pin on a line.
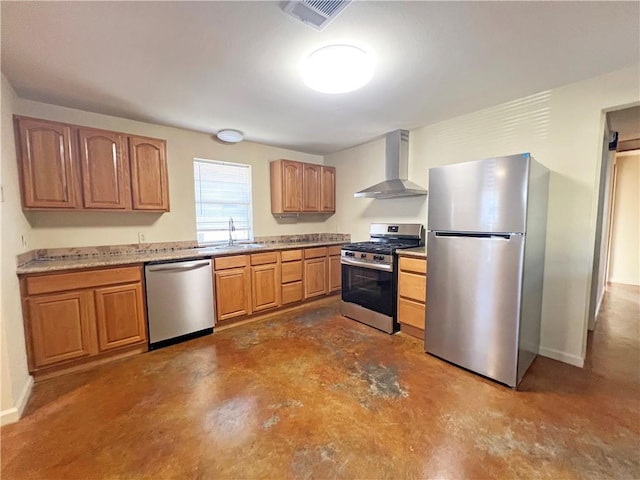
pixel 286 186
pixel 328 189
pixel 46 161
pixel 298 187
pixel 70 167
pixel 149 179
pixel 311 182
pixel 105 170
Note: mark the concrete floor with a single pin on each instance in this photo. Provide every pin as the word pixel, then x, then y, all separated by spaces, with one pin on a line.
pixel 315 395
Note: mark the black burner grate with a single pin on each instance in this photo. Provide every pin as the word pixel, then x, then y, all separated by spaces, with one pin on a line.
pixel 385 248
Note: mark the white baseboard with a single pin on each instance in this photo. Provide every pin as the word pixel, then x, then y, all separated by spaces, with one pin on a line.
pixel 624 282
pixel 599 305
pixel 12 415
pixel 562 356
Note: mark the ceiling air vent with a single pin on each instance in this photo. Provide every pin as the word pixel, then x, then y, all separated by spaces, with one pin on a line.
pixel 315 13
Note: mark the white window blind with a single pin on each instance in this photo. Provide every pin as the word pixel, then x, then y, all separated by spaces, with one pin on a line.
pixel 223 191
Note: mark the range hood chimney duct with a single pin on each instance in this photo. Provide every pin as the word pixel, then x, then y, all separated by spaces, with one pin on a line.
pixel 396 182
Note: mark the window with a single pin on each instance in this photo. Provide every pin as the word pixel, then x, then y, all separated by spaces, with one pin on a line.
pixel 223 191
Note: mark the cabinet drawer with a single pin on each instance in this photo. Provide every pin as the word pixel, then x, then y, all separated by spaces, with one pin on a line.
pixel 291 271
pixel 416 265
pixel 80 280
pixel 412 285
pixel 315 252
pixel 235 261
pixel 410 312
pixel 292 292
pixel 334 249
pixel 264 258
pixel 290 255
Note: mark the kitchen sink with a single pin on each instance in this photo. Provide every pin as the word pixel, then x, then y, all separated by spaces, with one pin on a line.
pixel 235 246
pixel 243 245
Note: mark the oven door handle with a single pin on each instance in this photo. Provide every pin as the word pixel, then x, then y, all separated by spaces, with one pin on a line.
pixel 373 266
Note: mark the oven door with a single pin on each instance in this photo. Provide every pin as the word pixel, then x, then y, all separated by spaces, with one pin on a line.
pixel 368 287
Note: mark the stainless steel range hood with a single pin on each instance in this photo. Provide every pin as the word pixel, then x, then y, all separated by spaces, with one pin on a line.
pixel 396 183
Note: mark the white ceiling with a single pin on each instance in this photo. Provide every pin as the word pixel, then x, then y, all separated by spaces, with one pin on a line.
pixel 212 65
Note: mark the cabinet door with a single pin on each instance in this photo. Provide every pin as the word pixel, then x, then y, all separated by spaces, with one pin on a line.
pixel 105 171
pixel 291 186
pixel 315 277
pixel 149 181
pixel 233 293
pixel 311 187
pixel 265 287
pixel 48 172
pixel 61 327
pixel 328 189
pixel 120 316
pixel 335 273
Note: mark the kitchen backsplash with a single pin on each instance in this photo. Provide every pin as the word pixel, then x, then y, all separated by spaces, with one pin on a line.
pixel 74 253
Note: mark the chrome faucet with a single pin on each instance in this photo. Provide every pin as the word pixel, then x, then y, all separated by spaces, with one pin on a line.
pixel 232 228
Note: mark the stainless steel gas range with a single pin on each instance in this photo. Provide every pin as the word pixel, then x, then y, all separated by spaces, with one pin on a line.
pixel 370 277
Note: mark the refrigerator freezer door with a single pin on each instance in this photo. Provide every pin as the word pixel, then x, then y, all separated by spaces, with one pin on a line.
pixel 473 303
pixel 481 196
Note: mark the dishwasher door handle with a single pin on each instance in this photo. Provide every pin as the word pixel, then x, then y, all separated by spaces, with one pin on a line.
pixel 182 268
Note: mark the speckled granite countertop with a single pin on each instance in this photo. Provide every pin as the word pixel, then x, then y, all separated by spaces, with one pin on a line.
pixel 44 265
pixel 418 252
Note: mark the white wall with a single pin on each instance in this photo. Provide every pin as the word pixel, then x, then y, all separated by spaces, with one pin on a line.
pixel 66 229
pixel 15 381
pixel 625 233
pixel 562 128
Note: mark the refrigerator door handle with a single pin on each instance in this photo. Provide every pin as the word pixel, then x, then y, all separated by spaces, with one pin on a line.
pixel 506 236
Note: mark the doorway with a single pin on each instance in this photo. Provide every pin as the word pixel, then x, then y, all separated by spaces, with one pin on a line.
pixel 617 245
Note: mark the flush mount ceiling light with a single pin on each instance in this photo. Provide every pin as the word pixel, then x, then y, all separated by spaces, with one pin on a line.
pixel 230 136
pixel 337 69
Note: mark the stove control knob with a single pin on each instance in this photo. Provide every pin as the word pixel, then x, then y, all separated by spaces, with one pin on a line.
pixel 349 254
pixel 378 257
pixel 363 255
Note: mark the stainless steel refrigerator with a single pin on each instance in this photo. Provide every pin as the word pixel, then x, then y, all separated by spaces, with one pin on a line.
pixel 485 254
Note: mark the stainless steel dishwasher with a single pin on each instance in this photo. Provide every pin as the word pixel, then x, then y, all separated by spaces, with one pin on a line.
pixel 180 301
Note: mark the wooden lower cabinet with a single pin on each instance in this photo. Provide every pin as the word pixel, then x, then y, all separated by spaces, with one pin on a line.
pixel 265 287
pixel 291 277
pixel 335 268
pixel 315 277
pixel 62 327
pixel 255 283
pixel 292 292
pixel 74 318
pixel 120 316
pixel 233 293
pixel 412 289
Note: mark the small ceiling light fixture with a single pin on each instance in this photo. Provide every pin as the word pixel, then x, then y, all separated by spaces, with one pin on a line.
pixel 230 136
pixel 337 69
